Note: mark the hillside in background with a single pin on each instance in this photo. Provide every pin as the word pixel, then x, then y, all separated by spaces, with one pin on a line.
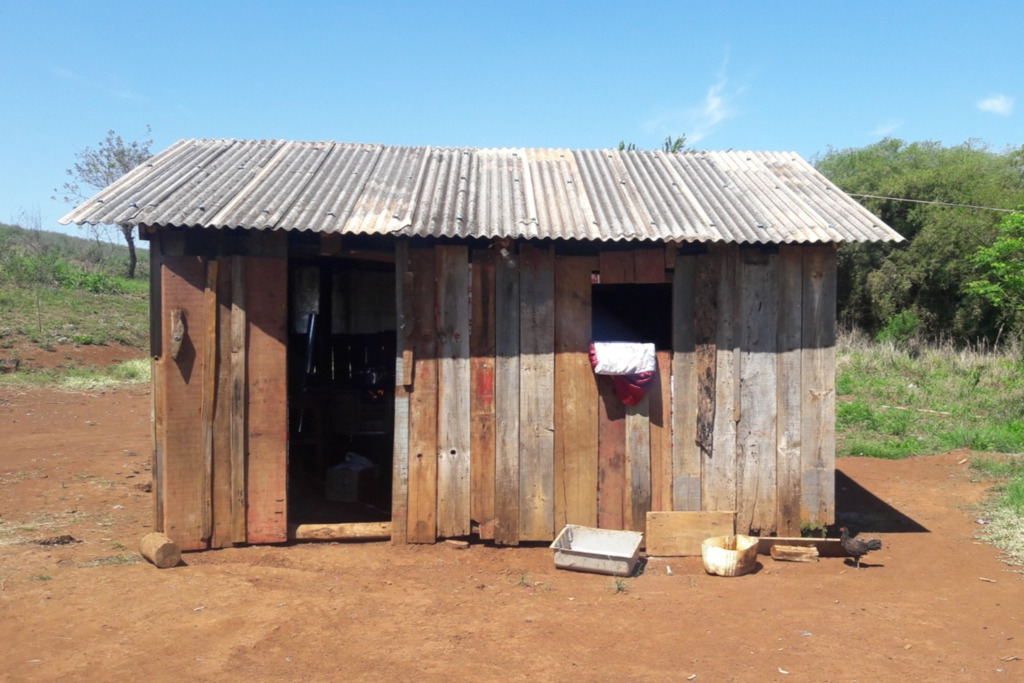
pixel 59 290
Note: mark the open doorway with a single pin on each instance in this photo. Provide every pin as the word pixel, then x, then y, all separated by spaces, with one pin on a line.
pixel 340 390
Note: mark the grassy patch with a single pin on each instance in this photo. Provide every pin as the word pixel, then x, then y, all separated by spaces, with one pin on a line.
pixel 122 559
pixel 135 371
pixel 893 402
pixel 1004 510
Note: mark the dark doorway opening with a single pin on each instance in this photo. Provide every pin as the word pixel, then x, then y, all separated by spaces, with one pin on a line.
pixel 340 390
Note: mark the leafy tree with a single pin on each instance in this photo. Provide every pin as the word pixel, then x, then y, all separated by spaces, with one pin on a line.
pixel 932 196
pixel 97 168
pixel 1001 267
pixel 670 145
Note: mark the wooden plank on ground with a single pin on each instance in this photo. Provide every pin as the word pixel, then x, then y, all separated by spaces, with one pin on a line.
pixel 616 267
pixel 611 456
pixel 671 534
pixel 755 438
pixel 638 464
pixel 826 547
pixel 481 369
pixel 422 521
pixel 404 285
pixel 453 390
pixel 649 266
pixel 818 409
pixel 352 531
pixel 266 299
pixel 238 384
pixel 506 399
pixel 719 466
pixel 182 470
pixel 537 394
pixel 575 395
pixel 693 376
pixel 661 434
pixel 788 463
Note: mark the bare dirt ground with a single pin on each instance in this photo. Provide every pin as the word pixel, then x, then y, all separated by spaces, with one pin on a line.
pixel 933 604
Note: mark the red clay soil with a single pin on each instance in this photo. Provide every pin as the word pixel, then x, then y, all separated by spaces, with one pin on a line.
pixel 934 604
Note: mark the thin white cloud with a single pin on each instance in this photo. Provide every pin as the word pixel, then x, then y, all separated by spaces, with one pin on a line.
pixel 884 130
pixel 700 121
pixel 997 104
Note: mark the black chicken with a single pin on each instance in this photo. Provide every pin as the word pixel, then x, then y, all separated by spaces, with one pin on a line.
pixel 857 547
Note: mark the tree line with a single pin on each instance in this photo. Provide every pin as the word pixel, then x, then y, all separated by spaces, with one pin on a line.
pixel 958 275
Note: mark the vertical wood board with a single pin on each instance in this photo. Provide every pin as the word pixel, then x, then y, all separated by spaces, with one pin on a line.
pixel 719 467
pixel 638 460
pixel 536 390
pixel 404 286
pixel 482 368
pixel 611 456
pixel 422 519
pixel 756 441
pixel 453 402
pixel 267 399
pixel 818 409
pixel 661 435
pixel 575 396
pixel 182 468
pixel 506 400
pixel 693 377
pixel 788 462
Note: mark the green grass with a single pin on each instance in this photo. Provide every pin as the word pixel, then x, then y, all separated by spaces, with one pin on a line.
pixel 893 403
pixel 136 371
pixel 1004 510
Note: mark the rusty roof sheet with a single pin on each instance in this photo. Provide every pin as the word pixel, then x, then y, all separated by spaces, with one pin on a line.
pixel 597 195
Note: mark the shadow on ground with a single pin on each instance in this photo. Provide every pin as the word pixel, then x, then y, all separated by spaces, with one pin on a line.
pixel 863 511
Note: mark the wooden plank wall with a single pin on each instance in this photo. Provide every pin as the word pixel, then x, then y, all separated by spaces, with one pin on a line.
pixel 220 420
pixel 501 426
pixel 551 444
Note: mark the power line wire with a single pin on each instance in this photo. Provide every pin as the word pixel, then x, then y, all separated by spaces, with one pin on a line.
pixel 933 202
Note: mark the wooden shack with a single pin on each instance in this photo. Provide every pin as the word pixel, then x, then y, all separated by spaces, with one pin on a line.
pixel 369 341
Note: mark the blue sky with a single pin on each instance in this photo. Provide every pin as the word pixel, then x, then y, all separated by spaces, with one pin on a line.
pixel 793 76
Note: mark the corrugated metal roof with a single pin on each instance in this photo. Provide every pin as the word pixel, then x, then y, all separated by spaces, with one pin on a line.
pixel 602 195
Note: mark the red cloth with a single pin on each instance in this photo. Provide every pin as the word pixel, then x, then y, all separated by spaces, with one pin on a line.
pixel 630 389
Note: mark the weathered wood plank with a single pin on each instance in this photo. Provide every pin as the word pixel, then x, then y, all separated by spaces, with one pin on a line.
pixel 210 342
pixel 352 531
pixel 506 399
pixel 818 407
pixel 181 466
pixel 267 399
pixel 638 460
pixel 617 267
pixel 536 391
pixel 611 456
pixel 788 463
pixel 159 357
pixel 719 466
pixel 671 534
pixel 693 376
pixel 221 493
pixel 481 351
pixel 755 438
pixel 453 391
pixel 661 434
pixel 649 266
pixel 404 286
pixel 422 520
pixel 238 384
pixel 575 395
